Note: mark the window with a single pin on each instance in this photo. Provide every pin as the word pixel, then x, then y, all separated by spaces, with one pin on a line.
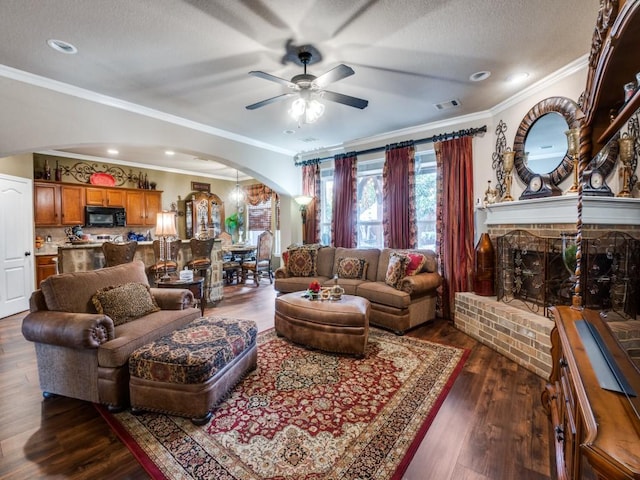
pixel 260 218
pixel 369 223
pixel 426 199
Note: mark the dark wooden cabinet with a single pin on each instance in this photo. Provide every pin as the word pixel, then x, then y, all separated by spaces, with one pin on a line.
pixel 58 204
pixel 204 214
pixel 46 265
pixel 596 431
pixel 105 197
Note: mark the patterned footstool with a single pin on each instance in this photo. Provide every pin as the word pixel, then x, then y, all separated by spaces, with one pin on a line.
pixel 189 371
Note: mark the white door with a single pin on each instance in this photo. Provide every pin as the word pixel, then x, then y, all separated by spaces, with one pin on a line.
pixel 16 244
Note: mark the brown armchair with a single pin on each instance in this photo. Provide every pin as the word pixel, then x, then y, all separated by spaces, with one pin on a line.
pixel 82 353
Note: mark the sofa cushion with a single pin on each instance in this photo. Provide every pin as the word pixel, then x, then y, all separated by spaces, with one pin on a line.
pixel 124 303
pixel 416 263
pixel 369 255
pixel 73 292
pixel 302 262
pixel 431 265
pixel 396 269
pixel 380 293
pixel 352 268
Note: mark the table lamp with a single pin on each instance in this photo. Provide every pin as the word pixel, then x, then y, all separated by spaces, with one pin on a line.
pixel 165 227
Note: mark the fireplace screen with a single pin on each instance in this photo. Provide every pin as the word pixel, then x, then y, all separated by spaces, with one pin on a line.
pixel 539 272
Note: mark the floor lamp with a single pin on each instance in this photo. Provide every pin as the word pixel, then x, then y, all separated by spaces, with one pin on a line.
pixel 303 201
pixel 165 227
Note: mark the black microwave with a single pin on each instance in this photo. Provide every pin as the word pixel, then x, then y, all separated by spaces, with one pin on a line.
pixel 105 217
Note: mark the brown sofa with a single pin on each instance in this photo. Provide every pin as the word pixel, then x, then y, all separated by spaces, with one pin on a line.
pixel 398 309
pixel 80 353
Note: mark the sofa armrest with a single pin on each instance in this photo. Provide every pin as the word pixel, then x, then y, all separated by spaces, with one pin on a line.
pixel 421 283
pixel 281 272
pixel 74 330
pixel 172 298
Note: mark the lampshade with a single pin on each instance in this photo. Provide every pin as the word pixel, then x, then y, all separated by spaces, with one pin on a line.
pixel 165 224
pixel 303 200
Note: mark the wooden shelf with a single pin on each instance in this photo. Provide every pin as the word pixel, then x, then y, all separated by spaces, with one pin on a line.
pixel 623 117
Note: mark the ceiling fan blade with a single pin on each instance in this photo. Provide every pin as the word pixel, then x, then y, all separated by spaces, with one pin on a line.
pixel 272 78
pixel 345 99
pixel 333 75
pixel 284 96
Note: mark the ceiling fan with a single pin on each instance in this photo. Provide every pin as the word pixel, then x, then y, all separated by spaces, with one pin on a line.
pixel 310 88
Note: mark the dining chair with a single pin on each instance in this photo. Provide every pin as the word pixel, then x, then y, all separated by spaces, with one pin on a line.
pixel 201 261
pixel 262 263
pixel 230 264
pixel 165 262
pixel 118 253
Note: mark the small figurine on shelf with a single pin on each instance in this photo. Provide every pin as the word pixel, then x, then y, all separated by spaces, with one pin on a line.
pixel 490 195
pixel 47 170
pixel 140 184
pixel 146 182
pixel 58 172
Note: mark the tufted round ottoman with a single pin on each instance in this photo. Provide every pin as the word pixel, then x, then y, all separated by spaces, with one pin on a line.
pixel 187 372
pixel 334 326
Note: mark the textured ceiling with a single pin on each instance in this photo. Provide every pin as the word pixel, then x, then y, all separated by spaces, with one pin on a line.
pixel 191 58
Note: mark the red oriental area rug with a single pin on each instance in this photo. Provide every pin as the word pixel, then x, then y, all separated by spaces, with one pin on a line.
pixel 304 414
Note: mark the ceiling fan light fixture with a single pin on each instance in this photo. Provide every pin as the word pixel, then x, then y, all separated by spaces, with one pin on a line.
pixel 310 110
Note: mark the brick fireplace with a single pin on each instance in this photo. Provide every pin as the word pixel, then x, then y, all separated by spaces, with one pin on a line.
pixel 515 329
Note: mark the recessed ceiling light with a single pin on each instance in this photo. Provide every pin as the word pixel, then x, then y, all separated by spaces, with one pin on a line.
pixel 169 152
pixel 289 132
pixel 113 151
pixel 62 46
pixel 480 76
pixel 517 77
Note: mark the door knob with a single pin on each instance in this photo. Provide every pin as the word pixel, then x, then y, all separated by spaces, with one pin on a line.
pixel 26 254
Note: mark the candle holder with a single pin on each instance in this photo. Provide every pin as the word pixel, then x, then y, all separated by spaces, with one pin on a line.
pixel 507 165
pixel 626 143
pixel 573 149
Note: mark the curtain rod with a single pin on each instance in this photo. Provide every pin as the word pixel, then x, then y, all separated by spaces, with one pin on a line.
pixel 467 132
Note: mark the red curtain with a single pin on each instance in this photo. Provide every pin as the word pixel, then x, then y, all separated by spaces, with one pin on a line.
pixel 455 219
pixel 311 187
pixel 345 201
pixel 398 192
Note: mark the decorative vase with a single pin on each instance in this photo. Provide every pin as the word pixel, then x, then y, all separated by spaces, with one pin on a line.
pixel 484 276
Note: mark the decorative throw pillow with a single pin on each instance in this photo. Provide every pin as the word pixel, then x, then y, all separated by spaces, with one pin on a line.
pixel 126 302
pixel 302 262
pixel 416 263
pixel 350 267
pixel 396 269
pixel 285 258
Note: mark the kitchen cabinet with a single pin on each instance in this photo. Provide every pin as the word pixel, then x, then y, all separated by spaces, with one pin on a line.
pixel 142 207
pixel 46 265
pixel 58 204
pixel 105 197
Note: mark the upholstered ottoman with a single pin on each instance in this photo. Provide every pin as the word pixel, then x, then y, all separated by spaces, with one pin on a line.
pixel 190 370
pixel 340 326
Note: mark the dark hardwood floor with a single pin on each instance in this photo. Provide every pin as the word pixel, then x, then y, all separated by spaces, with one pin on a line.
pixel 491 426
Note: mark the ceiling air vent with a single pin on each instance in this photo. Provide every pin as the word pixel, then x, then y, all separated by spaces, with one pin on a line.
pixel 308 140
pixel 447 105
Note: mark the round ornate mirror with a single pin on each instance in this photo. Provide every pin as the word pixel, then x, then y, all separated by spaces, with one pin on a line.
pixel 540 144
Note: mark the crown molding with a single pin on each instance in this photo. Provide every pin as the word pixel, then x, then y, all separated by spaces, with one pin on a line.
pixel 66 89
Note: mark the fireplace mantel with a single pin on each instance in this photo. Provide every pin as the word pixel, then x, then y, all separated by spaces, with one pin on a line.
pixel 558 210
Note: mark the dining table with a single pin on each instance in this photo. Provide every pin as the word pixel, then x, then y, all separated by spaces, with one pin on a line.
pixel 240 252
